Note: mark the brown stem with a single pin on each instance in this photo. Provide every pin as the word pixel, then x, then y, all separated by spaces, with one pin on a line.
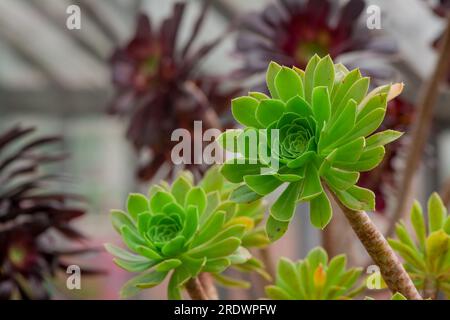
pixel 382 254
pixel 207 283
pixel 195 290
pixel 430 291
pixel 328 239
pixel 335 237
pixel 421 129
pixel 266 257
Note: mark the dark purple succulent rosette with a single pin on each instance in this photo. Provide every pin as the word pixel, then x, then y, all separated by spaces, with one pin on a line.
pixel 28 210
pixel 290 32
pixel 159 87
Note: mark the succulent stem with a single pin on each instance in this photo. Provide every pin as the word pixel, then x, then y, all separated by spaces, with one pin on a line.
pixel 207 282
pixel 195 289
pixel 266 257
pixel 329 235
pixel 382 254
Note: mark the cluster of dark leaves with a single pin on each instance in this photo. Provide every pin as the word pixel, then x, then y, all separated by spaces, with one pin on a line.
pixel 159 87
pixel 29 210
pixel 290 32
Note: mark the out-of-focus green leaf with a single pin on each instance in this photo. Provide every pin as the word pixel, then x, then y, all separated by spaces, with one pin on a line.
pixel 230 282
pixel 418 222
pixel 315 279
pixel 437 212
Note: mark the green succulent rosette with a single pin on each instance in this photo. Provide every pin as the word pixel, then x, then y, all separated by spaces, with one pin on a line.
pixel 426 253
pixel 182 230
pixel 316 130
pixel 315 278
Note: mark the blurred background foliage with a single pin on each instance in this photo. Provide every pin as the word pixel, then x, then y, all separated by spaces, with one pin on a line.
pixel 60 81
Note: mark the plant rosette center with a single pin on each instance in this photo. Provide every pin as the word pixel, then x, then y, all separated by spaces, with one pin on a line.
pixel 164 228
pixel 296 136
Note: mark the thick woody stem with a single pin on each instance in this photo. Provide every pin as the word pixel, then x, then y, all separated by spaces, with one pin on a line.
pixel 421 128
pixel 195 290
pixel 382 254
pixel 207 283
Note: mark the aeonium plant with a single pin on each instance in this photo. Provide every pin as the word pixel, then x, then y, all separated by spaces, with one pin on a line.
pixel 314 135
pixel 427 254
pixel 324 120
pixel 315 278
pixel 180 231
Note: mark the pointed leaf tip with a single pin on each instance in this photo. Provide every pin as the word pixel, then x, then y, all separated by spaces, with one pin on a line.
pixel 395 90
